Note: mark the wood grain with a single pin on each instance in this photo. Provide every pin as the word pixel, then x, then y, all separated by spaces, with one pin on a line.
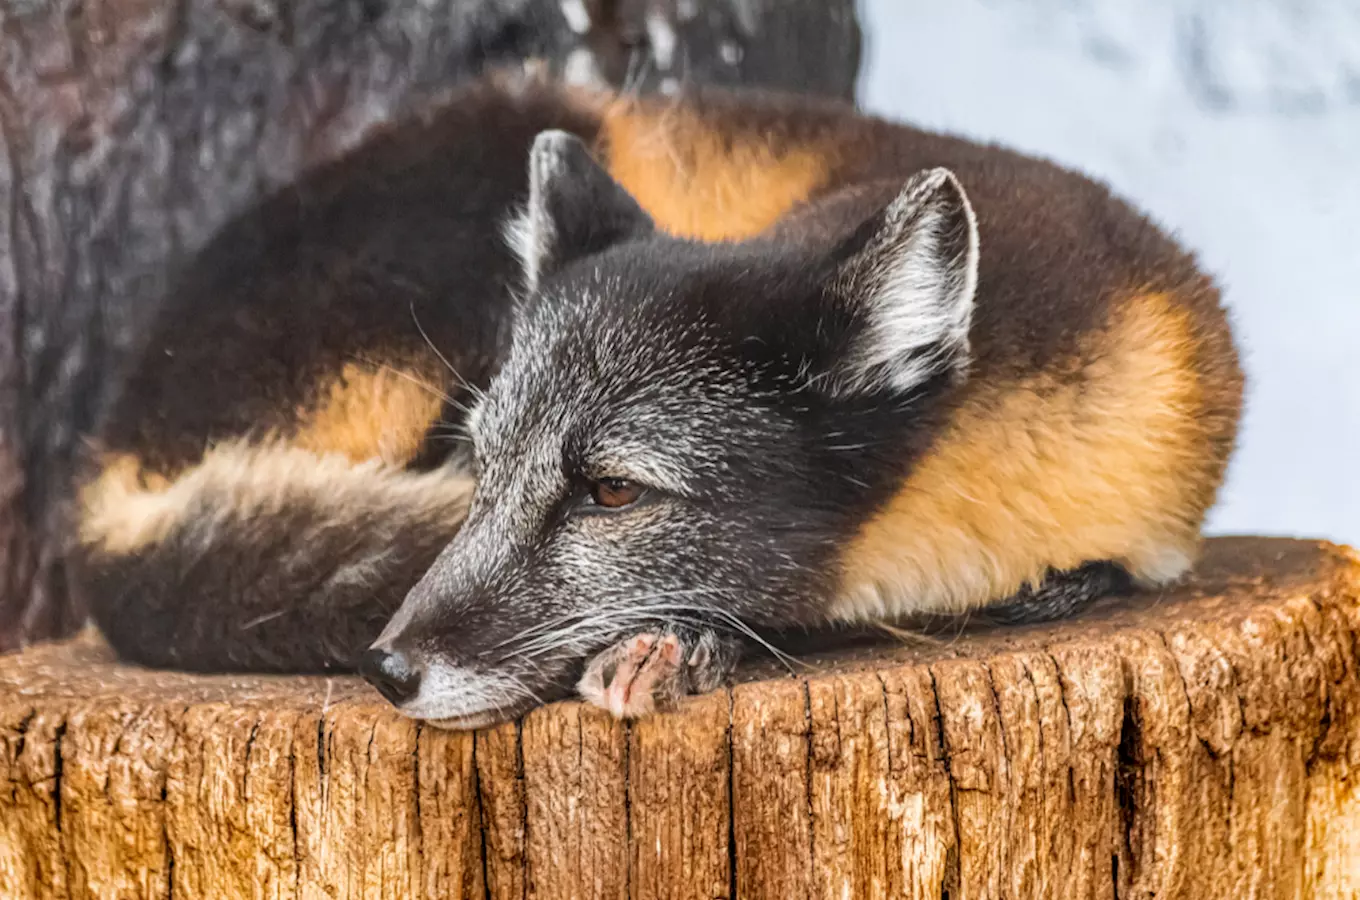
pixel 1202 743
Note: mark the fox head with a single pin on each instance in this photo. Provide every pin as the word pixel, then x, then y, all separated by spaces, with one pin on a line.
pixel 680 431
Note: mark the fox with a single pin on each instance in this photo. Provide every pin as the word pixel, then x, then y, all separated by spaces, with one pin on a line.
pixel 556 391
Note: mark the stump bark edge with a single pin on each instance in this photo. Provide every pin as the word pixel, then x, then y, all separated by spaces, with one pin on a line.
pixel 1199 743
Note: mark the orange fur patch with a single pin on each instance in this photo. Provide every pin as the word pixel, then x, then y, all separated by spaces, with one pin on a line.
pixel 370 422
pixel 371 413
pixel 1110 462
pixel 126 470
pixel 698 182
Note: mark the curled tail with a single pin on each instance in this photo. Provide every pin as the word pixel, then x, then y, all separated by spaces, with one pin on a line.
pixel 261 557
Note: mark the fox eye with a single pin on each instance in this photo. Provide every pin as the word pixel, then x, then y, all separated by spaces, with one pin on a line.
pixel 615 493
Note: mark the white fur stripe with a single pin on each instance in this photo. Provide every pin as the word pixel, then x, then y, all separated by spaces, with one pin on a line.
pixel 243 481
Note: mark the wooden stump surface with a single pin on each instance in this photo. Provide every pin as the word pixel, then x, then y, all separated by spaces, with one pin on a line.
pixel 1201 743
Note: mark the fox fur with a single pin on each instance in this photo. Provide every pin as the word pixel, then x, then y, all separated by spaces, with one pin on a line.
pixel 292 455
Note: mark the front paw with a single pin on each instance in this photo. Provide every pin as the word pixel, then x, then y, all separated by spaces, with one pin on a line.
pixel 654 670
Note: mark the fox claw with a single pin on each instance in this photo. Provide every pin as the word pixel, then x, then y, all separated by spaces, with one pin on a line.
pixel 649 671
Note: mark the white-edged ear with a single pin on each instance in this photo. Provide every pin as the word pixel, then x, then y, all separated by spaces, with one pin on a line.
pixel 575 208
pixel 910 286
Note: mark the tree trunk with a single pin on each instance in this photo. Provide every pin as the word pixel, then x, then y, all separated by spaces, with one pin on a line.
pixel 1200 744
pixel 131 129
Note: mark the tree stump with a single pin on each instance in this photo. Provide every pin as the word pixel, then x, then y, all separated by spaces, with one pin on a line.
pixel 1203 743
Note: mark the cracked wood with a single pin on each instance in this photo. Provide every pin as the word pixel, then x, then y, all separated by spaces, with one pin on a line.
pixel 1200 743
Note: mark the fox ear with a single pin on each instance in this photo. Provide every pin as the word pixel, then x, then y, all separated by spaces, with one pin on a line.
pixel 575 208
pixel 907 279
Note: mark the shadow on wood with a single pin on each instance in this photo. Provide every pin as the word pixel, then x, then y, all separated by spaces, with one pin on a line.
pixel 1202 743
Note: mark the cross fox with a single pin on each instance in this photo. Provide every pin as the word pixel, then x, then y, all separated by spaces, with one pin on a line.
pixel 554 390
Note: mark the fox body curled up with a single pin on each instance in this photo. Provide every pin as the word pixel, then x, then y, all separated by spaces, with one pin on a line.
pixel 744 362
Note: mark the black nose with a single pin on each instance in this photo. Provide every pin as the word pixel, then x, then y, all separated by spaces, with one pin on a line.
pixel 391 673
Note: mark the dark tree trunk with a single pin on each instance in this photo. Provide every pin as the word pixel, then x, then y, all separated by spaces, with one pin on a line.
pixel 131 129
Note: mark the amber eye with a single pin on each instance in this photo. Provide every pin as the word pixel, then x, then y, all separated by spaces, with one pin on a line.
pixel 615 493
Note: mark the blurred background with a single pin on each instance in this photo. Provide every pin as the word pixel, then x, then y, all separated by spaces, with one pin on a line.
pixel 1236 124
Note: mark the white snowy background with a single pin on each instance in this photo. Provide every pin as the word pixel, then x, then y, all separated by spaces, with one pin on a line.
pixel 1235 123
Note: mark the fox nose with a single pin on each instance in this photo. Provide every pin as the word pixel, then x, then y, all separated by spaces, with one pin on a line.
pixel 392 673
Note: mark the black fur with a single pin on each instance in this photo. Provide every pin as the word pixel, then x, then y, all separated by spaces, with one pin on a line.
pixel 582 209
pixel 357 262
pixel 340 267
pixel 1061 595
pixel 284 589
pixel 722 359
pixel 725 357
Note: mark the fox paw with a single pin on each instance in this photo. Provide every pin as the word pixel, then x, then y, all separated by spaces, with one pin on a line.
pixel 650 671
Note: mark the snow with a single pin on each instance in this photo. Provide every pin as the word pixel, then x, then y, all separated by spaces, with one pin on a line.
pixel 1236 124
